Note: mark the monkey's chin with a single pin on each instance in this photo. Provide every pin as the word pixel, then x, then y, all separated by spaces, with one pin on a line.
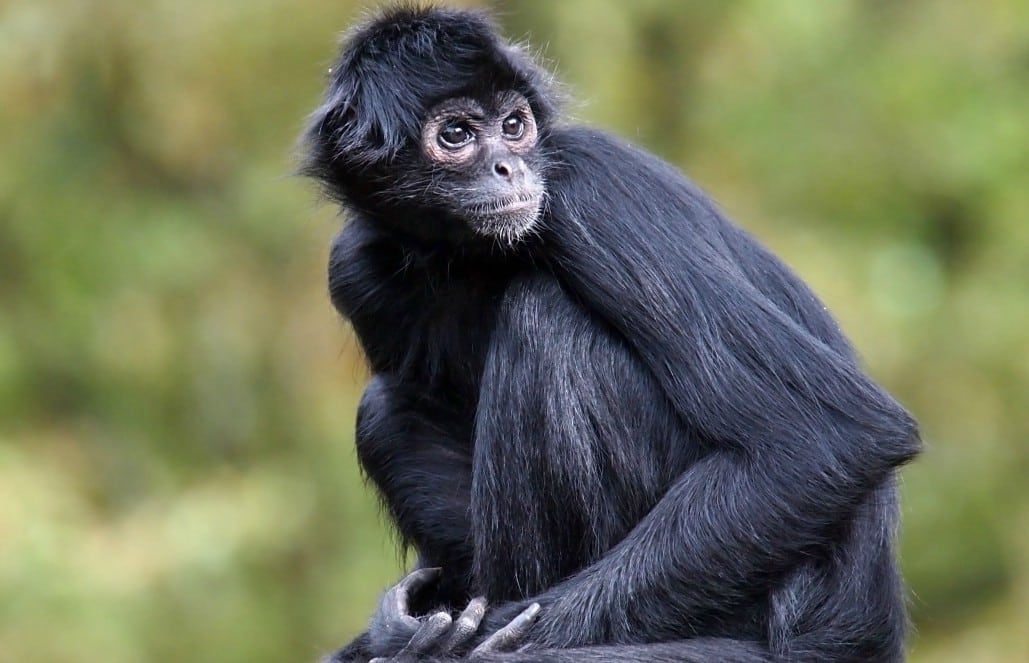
pixel 508 224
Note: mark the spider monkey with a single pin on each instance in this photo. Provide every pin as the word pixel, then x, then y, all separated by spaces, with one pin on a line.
pixel 612 424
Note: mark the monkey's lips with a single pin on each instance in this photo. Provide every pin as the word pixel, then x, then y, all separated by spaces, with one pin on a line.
pixel 507 219
pixel 507 207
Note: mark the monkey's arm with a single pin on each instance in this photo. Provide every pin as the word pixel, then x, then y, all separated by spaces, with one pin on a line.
pixel 727 528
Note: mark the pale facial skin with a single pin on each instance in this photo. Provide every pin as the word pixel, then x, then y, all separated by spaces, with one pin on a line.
pixel 483 149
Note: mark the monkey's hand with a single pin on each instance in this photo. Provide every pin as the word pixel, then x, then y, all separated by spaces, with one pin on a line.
pixel 398 637
pixel 510 635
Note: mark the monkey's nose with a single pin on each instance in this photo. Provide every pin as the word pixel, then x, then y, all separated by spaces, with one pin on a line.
pixel 503 169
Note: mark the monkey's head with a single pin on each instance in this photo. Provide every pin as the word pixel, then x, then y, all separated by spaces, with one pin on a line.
pixel 432 125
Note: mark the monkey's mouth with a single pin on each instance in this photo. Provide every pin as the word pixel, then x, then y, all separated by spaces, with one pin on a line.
pixel 506 220
pixel 506 207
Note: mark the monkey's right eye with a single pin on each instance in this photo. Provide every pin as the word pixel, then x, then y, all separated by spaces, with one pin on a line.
pixel 455 135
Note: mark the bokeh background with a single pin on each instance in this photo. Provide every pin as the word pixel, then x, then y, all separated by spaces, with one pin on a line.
pixel 177 477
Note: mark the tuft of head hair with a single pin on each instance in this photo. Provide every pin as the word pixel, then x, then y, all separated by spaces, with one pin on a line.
pixel 393 67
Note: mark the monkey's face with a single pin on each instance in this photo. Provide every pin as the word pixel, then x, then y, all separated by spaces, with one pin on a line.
pixel 485 170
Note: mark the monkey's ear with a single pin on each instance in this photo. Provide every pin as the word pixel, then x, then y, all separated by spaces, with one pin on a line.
pixel 359 124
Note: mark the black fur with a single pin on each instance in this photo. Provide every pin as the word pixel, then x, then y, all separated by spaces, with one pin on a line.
pixel 637 417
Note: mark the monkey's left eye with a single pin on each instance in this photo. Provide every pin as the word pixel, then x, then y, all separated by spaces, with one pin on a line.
pixel 513 126
pixel 455 135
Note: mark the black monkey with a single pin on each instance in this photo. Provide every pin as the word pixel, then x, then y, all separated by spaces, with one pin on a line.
pixel 592 392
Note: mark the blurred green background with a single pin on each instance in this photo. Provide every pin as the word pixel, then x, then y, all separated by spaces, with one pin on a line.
pixel 177 476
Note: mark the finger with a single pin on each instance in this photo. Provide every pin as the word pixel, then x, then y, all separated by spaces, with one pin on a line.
pixel 397 600
pixel 466 625
pixel 510 634
pixel 394 608
pixel 412 582
pixel 431 630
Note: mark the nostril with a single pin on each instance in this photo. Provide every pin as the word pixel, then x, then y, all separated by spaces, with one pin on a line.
pixel 502 169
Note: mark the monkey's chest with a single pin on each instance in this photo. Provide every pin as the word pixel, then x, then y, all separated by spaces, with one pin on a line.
pixel 447 343
pixel 431 330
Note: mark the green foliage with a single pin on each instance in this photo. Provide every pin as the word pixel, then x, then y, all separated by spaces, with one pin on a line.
pixel 177 478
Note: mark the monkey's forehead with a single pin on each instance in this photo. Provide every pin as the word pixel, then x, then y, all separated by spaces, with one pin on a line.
pixel 495 103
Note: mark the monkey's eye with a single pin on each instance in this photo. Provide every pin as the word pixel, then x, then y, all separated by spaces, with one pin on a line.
pixel 513 126
pixel 455 135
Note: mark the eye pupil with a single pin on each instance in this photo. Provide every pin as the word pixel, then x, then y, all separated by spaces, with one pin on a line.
pixel 454 135
pixel 513 126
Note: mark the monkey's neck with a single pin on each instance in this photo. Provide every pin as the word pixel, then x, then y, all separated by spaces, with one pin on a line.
pixel 433 237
